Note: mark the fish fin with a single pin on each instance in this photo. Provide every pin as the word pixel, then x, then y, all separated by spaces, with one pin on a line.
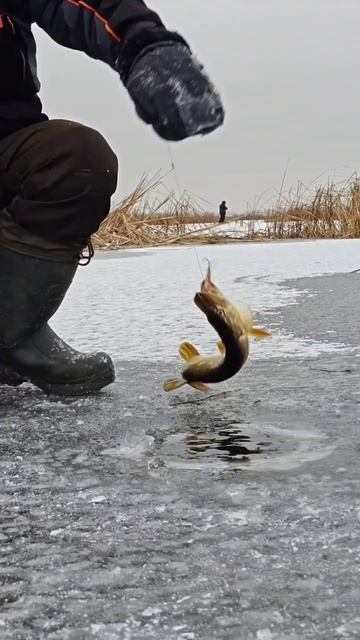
pixel 258 332
pixel 171 385
pixel 220 345
pixel 187 351
pixel 199 386
pixel 247 316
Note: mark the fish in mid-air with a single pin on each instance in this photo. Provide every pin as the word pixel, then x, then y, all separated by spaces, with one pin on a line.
pixel 233 324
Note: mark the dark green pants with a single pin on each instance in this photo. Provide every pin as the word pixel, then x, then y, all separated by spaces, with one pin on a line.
pixel 57 179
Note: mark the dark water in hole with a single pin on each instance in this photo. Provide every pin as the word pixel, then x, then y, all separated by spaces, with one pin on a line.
pixel 220 443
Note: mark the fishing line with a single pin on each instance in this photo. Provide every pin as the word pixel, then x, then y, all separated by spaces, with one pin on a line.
pixel 223 394
pixel 180 192
pixel 198 261
pixel 174 170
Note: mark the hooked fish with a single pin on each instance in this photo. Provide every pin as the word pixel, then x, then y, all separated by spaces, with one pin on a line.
pixel 233 324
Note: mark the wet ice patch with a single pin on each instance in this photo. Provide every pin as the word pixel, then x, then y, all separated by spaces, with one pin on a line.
pixel 136 449
pixel 251 448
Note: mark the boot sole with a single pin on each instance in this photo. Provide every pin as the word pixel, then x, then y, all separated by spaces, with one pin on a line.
pixel 10 379
pixel 80 388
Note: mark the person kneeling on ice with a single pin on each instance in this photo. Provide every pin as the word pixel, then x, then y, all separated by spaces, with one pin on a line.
pixel 57 177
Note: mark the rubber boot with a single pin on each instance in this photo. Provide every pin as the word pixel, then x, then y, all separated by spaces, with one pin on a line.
pixel 31 291
pixel 9 378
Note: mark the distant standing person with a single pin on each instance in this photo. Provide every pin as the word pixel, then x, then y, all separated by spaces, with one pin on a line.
pixel 222 211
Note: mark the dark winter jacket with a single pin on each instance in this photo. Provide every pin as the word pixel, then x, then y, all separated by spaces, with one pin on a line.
pixel 100 28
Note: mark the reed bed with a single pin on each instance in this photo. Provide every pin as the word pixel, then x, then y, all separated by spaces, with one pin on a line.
pixel 147 218
pixel 139 221
pixel 330 211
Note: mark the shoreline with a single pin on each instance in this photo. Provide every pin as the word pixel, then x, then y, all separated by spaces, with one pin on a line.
pixel 183 245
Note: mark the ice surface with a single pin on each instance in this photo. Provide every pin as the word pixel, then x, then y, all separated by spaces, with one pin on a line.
pixel 139 304
pixel 132 515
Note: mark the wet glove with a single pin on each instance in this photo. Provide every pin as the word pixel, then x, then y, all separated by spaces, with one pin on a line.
pixel 168 86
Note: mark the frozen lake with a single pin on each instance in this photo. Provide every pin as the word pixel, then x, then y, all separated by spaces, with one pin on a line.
pixel 137 515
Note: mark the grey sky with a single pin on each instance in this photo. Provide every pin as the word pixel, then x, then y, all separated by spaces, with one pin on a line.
pixel 289 76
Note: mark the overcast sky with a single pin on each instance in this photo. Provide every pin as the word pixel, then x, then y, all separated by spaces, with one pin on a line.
pixel 289 76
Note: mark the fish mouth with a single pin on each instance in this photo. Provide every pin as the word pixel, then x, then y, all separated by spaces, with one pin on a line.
pixel 207 286
pixel 205 302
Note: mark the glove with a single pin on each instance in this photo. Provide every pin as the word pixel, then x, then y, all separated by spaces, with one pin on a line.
pixel 170 90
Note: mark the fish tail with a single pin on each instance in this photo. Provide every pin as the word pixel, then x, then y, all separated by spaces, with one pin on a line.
pixel 171 385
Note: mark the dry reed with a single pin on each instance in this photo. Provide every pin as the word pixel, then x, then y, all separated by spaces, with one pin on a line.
pixel 146 218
